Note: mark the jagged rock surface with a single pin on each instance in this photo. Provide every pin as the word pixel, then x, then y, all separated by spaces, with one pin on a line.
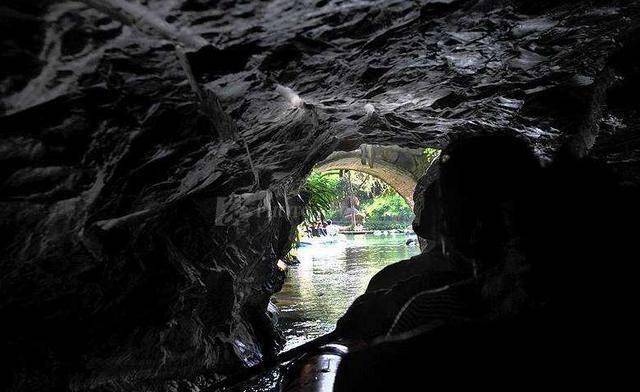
pixel 137 247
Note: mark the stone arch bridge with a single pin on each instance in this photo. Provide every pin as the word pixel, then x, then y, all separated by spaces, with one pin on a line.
pixel 397 166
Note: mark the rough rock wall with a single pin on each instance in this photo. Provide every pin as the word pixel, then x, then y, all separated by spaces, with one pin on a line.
pixel 137 247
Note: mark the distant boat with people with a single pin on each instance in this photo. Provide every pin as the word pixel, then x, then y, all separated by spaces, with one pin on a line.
pixel 323 240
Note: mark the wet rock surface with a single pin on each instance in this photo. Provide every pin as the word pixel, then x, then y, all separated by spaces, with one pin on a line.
pixel 139 251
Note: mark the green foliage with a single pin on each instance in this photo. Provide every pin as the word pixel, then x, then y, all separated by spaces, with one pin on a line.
pixel 384 209
pixel 428 156
pixel 319 192
pixel 366 186
pixel 388 211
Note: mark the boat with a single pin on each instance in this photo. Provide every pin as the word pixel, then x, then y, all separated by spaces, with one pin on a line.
pixel 323 240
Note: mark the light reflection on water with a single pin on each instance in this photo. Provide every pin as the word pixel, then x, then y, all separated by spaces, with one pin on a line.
pixel 329 277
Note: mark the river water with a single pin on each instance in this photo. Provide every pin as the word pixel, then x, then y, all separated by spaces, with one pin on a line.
pixel 329 277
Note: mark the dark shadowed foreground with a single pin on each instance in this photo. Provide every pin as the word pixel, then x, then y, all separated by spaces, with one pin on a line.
pixel 150 168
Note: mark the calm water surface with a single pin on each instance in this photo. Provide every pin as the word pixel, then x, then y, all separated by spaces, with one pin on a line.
pixel 329 277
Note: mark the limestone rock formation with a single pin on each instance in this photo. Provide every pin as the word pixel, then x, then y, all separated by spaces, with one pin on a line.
pixel 140 243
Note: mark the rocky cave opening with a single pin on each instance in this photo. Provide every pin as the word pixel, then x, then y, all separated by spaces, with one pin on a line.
pixel 356 226
pixel 151 154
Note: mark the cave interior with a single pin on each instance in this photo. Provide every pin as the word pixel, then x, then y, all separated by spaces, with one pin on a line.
pixel 152 154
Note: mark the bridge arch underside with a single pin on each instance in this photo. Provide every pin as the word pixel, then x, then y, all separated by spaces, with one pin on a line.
pixel 398 178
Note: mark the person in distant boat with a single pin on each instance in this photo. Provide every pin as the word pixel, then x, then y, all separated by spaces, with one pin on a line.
pixel 314 229
pixel 331 228
pixel 322 228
